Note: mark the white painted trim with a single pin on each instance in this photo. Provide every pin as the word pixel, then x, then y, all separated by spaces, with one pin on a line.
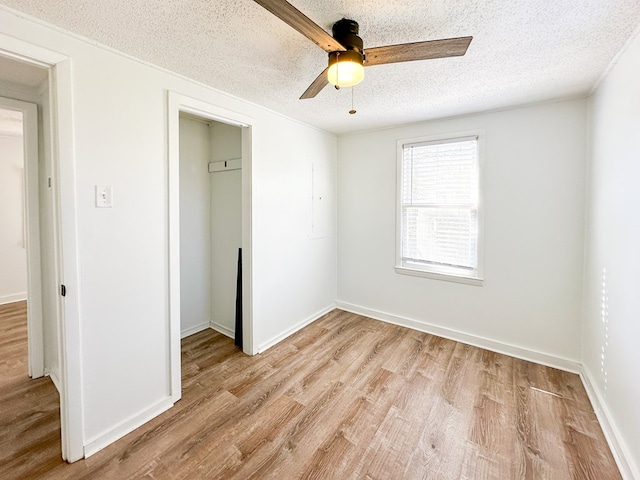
pixel 173 200
pixel 226 331
pixel 298 326
pixel 440 276
pixel 204 326
pixel 248 344
pixel 560 363
pixel 70 351
pixel 619 448
pixel 35 336
pixel 56 381
pixel 16 297
pixel 177 103
pixel 63 159
pixel 28 52
pixel 195 329
pixel 127 426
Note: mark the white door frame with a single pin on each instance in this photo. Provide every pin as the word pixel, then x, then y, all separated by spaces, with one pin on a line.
pixel 63 160
pixel 35 327
pixel 180 103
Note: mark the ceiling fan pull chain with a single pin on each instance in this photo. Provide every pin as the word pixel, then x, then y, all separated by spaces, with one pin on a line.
pixel 353 110
pixel 337 85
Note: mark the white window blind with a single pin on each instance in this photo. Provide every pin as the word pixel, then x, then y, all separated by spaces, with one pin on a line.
pixel 439 206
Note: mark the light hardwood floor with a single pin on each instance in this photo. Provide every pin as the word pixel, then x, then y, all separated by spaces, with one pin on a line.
pixel 345 398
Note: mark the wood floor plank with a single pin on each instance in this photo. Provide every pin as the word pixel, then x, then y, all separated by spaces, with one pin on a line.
pixel 14 365
pixel 347 397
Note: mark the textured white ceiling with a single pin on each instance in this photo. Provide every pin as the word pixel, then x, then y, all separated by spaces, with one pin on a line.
pixel 522 51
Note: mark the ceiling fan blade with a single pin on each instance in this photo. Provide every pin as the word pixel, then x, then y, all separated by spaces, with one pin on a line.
pixel 298 20
pixel 407 52
pixel 318 84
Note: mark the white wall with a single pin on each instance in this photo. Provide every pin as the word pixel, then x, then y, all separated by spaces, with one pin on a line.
pixel 611 330
pixel 13 254
pixel 120 139
pixel 226 226
pixel 195 226
pixel 533 183
pixel 298 267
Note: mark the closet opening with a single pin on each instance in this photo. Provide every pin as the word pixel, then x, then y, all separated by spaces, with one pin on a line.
pixel 209 224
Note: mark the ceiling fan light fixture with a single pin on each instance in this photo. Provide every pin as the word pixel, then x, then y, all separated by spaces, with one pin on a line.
pixel 345 68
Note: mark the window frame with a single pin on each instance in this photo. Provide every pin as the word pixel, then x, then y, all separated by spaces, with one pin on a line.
pixel 450 274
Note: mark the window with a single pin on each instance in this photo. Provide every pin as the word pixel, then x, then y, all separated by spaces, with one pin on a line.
pixel 439 218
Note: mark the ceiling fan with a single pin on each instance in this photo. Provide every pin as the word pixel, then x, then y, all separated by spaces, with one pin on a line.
pixel 347 55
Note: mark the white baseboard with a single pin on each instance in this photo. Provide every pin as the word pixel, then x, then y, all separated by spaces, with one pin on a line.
pixel 15 297
pixel 223 330
pixel 278 338
pixel 619 449
pixel 107 438
pixel 203 326
pixel 195 329
pixel 56 381
pixel 477 341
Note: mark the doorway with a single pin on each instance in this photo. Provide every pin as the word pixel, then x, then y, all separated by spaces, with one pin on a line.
pixel 30 73
pixel 210 224
pixel 20 240
pixel 209 218
pixel 17 351
pixel 28 283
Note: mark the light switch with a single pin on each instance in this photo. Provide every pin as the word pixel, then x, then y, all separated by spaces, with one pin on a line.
pixel 104 196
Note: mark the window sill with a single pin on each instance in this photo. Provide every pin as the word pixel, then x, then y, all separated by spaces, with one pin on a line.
pixel 440 276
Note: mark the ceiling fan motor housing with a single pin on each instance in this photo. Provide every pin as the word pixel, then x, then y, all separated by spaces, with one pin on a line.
pixel 345 31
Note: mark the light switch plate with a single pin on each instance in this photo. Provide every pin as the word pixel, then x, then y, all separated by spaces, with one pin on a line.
pixel 104 196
